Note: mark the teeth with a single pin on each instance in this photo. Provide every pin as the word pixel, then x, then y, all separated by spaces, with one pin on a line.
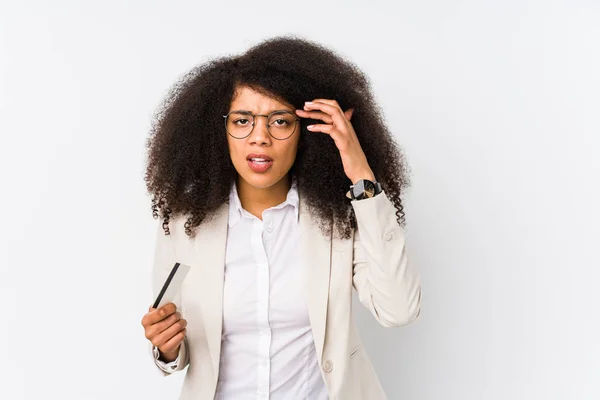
pixel 258 160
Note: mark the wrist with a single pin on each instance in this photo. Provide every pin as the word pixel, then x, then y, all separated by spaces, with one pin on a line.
pixel 364 189
pixel 168 357
pixel 368 175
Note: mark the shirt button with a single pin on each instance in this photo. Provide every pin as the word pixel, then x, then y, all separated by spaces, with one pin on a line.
pixel 327 366
pixel 389 236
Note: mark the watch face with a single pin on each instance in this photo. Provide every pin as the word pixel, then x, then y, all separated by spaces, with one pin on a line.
pixel 364 189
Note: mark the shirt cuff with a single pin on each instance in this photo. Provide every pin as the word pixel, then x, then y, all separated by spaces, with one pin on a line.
pixel 167 367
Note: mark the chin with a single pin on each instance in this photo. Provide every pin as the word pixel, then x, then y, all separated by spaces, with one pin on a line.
pixel 261 181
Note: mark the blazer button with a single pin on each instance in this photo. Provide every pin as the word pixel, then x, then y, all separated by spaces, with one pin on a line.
pixel 327 366
pixel 389 236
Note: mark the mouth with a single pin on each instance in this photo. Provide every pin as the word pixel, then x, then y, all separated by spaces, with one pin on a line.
pixel 259 162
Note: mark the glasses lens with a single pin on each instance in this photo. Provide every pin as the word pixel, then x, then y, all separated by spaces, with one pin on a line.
pixel 282 124
pixel 239 125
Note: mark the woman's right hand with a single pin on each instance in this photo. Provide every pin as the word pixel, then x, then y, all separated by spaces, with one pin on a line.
pixel 165 328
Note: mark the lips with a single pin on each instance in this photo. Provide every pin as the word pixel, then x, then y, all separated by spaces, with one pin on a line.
pixel 259 162
pixel 258 157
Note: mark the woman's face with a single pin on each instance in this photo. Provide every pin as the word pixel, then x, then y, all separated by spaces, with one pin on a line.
pixel 246 153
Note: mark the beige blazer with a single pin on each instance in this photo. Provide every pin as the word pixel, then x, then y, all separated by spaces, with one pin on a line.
pixel 374 261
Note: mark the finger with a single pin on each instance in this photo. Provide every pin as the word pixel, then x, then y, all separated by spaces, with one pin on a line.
pixel 335 112
pixel 306 114
pixel 315 115
pixel 172 344
pixel 328 101
pixel 167 309
pixel 150 318
pixel 159 314
pixel 173 330
pixel 145 317
pixel 348 113
pixel 156 329
pixel 328 129
pixel 169 333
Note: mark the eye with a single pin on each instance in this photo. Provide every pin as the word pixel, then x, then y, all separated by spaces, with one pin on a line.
pixel 240 121
pixel 280 122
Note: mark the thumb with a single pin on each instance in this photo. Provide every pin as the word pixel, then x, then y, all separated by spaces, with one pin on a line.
pixel 348 113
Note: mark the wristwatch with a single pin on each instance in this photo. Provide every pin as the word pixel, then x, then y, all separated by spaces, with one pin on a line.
pixel 364 189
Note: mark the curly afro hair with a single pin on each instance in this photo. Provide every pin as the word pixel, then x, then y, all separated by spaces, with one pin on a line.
pixel 188 155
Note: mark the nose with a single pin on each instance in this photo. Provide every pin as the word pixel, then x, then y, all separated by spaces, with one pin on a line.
pixel 260 132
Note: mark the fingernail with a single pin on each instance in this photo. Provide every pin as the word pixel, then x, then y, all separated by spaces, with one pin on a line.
pixel 310 127
pixel 308 102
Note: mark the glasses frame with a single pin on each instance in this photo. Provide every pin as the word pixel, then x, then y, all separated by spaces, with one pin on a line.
pixel 268 116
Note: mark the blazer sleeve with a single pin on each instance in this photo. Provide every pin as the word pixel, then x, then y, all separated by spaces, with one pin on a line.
pixel 164 258
pixel 383 276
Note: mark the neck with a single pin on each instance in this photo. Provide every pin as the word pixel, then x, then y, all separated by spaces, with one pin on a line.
pixel 256 200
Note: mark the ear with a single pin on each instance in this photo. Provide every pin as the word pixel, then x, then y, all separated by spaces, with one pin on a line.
pixel 348 113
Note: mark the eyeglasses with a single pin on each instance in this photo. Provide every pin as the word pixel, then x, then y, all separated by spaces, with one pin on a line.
pixel 280 124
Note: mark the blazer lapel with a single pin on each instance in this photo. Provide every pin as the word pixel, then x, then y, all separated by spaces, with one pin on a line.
pixel 316 252
pixel 208 276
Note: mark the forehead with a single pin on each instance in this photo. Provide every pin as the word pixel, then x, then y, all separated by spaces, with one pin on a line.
pixel 246 98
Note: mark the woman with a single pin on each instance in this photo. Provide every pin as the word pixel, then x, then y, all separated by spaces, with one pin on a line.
pixel 281 206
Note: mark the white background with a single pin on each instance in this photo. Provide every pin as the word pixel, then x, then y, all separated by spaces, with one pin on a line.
pixel 496 104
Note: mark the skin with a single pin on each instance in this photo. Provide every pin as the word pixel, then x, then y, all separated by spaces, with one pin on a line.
pixel 259 191
pixel 164 326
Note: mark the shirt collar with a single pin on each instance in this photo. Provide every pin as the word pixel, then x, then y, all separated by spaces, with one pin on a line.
pixel 236 212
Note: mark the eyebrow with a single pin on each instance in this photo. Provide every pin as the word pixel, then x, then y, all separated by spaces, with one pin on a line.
pixel 250 112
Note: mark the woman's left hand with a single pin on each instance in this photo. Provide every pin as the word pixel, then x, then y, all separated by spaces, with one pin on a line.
pixel 337 125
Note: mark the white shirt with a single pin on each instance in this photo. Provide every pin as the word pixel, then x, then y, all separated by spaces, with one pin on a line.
pixel 267 347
